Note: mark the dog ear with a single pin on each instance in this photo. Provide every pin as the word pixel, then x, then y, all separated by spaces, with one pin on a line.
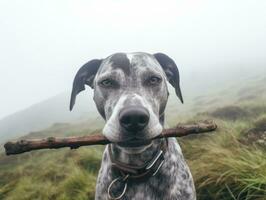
pixel 171 72
pixel 85 75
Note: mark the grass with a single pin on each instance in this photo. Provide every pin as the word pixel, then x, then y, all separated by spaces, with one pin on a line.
pixel 223 166
pixel 62 174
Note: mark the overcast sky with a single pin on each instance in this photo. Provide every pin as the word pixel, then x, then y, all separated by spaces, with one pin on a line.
pixel 43 43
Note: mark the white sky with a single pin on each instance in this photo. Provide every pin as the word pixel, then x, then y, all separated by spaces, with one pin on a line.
pixel 43 43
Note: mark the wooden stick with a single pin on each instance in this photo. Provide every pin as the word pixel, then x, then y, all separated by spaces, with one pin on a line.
pixel 22 146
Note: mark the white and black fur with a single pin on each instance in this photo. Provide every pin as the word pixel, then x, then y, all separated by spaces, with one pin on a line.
pixel 136 80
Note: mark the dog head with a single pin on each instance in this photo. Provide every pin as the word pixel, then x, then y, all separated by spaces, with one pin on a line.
pixel 130 93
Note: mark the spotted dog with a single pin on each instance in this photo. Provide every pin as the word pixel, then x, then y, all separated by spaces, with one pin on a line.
pixel 130 93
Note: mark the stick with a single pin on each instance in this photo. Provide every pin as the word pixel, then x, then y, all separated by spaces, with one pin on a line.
pixel 22 146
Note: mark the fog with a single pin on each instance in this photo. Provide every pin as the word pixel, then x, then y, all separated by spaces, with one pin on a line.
pixel 43 43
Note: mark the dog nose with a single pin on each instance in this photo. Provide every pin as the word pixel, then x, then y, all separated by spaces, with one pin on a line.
pixel 134 118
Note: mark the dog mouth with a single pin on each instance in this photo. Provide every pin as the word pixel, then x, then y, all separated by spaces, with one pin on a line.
pixel 134 143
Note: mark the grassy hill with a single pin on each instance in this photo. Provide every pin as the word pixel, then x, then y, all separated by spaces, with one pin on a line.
pixel 227 164
pixel 46 113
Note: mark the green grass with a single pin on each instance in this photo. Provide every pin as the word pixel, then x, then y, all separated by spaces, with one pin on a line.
pixel 224 168
pixel 51 174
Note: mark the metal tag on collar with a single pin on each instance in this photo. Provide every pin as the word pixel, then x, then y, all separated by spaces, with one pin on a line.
pixel 122 179
pixel 151 164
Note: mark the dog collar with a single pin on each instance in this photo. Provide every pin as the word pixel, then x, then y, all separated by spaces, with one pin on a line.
pixel 138 173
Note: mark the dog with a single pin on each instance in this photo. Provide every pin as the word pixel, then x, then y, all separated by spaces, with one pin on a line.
pixel 130 93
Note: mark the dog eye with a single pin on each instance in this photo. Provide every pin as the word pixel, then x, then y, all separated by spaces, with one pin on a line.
pixel 107 83
pixel 154 80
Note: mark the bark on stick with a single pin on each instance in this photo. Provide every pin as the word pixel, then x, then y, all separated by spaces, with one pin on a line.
pixel 21 146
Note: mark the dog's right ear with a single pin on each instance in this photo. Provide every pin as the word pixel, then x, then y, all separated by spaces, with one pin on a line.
pixel 85 75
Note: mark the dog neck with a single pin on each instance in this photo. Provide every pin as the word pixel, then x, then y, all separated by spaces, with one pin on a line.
pixel 137 156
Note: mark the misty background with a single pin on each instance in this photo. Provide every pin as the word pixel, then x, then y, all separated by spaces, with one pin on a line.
pixel 218 46
pixel 43 44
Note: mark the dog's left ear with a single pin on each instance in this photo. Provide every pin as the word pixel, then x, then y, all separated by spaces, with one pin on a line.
pixel 171 72
pixel 84 76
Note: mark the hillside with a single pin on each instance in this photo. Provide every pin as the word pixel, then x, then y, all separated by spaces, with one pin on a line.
pixel 46 113
pixel 197 86
pixel 227 164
